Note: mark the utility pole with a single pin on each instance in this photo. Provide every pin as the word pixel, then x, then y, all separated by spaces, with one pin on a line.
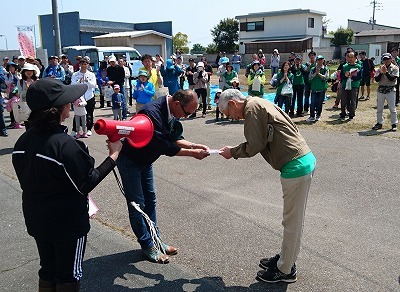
pixel 56 29
pixel 375 5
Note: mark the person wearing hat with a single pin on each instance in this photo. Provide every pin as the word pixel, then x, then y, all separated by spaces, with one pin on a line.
pixel 5 61
pixel 117 100
pixel 350 77
pixel 236 60
pixel 235 83
pixel 270 132
pixel 221 70
pixel 208 69
pixel 143 90
pixel 54 70
pixel 28 77
pixel 275 59
pixel 319 75
pixel 190 70
pixel 170 73
pixel 298 71
pixel 84 76
pixel 256 80
pixel 68 68
pixel 76 66
pixel 386 76
pixel 56 174
pixel 227 76
pixel 116 74
pixel 3 129
pixel 200 79
pixel 11 78
pixel 32 60
pixel 21 62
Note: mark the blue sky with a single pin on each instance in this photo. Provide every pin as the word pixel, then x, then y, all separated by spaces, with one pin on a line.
pixel 196 20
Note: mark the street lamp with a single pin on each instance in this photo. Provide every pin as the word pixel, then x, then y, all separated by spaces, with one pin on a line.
pixel 2 35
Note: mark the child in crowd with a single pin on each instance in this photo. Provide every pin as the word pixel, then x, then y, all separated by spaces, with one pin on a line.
pixel 216 100
pixel 117 100
pixel 80 117
pixel 143 90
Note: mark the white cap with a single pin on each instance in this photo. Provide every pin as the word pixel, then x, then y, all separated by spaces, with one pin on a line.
pixel 200 64
pixel 112 59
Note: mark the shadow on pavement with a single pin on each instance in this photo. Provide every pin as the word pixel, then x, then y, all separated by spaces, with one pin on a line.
pixel 373 132
pixel 121 273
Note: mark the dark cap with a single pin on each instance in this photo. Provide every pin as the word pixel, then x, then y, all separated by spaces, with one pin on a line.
pixel 48 92
pixel 53 57
pixel 191 60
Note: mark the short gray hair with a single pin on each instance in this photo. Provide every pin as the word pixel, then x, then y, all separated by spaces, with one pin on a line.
pixel 227 95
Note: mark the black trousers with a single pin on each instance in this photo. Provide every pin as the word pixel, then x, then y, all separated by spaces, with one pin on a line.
pixel 61 262
pixel 202 93
pixel 298 91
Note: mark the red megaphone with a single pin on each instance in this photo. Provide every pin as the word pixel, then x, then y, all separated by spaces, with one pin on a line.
pixel 138 130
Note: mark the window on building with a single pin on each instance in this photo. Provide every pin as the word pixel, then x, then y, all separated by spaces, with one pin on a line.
pixel 252 26
pixel 377 52
pixel 311 22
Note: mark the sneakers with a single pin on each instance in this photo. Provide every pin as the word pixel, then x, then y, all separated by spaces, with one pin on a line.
pixel 154 255
pixel 362 97
pixel 310 120
pixel 273 275
pixel 318 118
pixel 267 263
pixel 209 107
pixel 73 134
pixel 89 133
pixel 377 126
pixel 203 115
pixel 84 135
pixel 77 136
pixel 18 126
pixel 394 127
pixel 343 119
pixel 367 98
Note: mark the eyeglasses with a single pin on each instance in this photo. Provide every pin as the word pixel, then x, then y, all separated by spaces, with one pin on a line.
pixel 183 109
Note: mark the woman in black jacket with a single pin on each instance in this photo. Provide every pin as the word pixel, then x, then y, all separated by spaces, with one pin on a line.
pixel 56 174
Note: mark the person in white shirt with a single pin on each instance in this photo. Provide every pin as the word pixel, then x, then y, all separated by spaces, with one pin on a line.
pixel 127 87
pixel 84 76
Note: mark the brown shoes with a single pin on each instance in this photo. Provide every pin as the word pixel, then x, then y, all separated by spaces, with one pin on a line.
pixel 169 249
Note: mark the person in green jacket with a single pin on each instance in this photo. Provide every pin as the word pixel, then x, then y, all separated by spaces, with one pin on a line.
pixel 351 77
pixel 256 76
pixel 285 78
pixel 227 76
pixel 318 76
pixel 298 69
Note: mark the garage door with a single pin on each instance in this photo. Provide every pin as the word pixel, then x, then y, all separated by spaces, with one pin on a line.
pixel 149 49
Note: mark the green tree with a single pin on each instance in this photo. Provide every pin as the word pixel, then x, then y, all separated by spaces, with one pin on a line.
pixel 211 49
pixel 342 37
pixel 198 49
pixel 180 42
pixel 225 34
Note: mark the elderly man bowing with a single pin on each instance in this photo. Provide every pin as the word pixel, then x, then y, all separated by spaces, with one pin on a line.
pixel 270 132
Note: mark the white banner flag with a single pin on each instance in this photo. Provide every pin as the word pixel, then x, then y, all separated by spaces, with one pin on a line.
pixel 26 40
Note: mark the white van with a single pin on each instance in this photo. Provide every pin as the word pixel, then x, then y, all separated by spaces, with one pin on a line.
pixel 97 54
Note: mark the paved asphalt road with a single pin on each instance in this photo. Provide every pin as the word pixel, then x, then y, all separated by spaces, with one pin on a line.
pixel 224 215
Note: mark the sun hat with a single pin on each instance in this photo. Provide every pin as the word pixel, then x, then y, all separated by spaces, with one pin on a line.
pixel 320 57
pixel 224 60
pixel 28 67
pixel 200 64
pixel 235 79
pixel 9 64
pixel 49 92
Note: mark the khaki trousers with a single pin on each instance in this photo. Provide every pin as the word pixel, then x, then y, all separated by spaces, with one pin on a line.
pixel 295 194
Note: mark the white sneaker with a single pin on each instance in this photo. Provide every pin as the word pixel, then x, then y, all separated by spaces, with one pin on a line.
pixel 73 134
pixel 310 120
pixel 318 118
pixel 89 133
